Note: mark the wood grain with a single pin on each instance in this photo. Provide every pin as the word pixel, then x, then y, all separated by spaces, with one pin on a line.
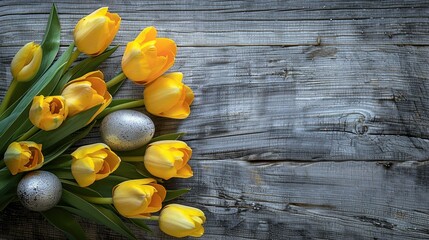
pixel 311 118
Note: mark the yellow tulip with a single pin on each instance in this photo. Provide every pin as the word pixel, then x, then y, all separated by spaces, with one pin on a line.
pixel 93 162
pixel 86 92
pixel 181 221
pixel 26 62
pixel 138 198
pixel 167 159
pixel 23 156
pixel 168 97
pixel 148 57
pixel 48 113
pixel 94 33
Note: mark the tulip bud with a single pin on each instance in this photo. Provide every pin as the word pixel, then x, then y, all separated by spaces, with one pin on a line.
pixel 93 162
pixel 94 33
pixel 23 156
pixel 148 57
pixel 138 198
pixel 26 62
pixel 168 97
pixel 181 221
pixel 167 159
pixel 86 92
pixel 48 113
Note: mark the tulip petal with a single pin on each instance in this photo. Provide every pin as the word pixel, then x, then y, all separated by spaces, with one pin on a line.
pixel 185 172
pixel 83 171
pixel 148 34
pixel 94 33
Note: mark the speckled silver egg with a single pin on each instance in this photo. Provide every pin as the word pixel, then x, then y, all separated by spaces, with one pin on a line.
pixel 126 130
pixel 39 190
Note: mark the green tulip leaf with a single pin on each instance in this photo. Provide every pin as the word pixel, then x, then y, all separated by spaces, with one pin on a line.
pixel 64 221
pixel 105 186
pixel 83 67
pixel 98 213
pixel 92 63
pixel 128 170
pixel 51 41
pixel 10 184
pixel 140 223
pixel 59 162
pixel 59 149
pixel 69 126
pixel 75 188
pixel 173 194
pixel 116 102
pixel 5 199
pixel 115 88
pixel 64 173
pixel 141 169
pixel 170 136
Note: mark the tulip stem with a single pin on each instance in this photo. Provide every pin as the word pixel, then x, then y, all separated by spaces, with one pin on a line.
pixel 98 200
pixel 75 54
pixel 9 93
pixel 28 134
pixel 132 158
pixel 133 104
pixel 153 218
pixel 117 79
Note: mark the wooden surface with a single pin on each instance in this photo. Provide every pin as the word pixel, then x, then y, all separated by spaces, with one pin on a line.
pixel 311 118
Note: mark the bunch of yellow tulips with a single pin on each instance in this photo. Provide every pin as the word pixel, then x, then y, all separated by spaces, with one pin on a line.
pixel 62 100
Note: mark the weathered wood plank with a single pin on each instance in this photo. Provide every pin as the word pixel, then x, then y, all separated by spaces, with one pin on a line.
pixel 324 200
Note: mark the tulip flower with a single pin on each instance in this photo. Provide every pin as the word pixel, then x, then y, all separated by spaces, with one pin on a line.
pixel 48 113
pixel 93 162
pixel 167 159
pixel 94 33
pixel 26 62
pixel 168 97
pixel 181 221
pixel 86 92
pixel 23 156
pixel 138 198
pixel 148 57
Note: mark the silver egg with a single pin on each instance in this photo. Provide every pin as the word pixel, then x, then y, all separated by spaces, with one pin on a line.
pixel 39 191
pixel 126 130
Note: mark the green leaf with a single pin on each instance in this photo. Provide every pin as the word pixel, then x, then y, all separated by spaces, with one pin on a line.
pixel 64 173
pixel 115 88
pixel 141 169
pixel 83 67
pixel 173 194
pixel 100 214
pixel 69 126
pixel 170 136
pixel 75 188
pixel 105 186
pixel 6 199
pixel 60 148
pixel 10 184
pixel 140 223
pixel 43 86
pixel 50 46
pixel 128 170
pixel 64 221
pixel 59 162
pixel 116 102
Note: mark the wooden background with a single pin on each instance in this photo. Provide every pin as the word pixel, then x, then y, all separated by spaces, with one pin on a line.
pixel 311 118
